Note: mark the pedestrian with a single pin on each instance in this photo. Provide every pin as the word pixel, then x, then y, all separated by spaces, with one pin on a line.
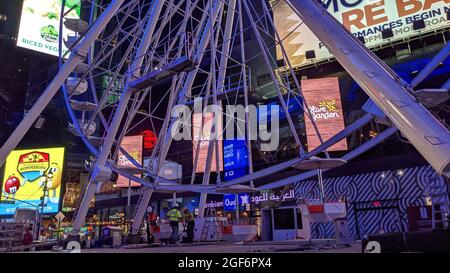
pixel 174 216
pixel 151 225
pixel 27 238
pixel 190 225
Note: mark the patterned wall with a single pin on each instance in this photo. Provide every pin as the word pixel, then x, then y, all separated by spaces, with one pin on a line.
pixel 411 186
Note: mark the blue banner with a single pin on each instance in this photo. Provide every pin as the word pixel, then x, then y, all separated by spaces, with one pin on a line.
pixel 229 201
pixel 235 158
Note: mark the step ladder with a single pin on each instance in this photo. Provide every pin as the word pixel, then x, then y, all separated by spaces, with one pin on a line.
pixel 439 202
pixel 439 207
pixel 210 219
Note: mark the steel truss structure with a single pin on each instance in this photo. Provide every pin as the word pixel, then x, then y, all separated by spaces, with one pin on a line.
pixel 197 49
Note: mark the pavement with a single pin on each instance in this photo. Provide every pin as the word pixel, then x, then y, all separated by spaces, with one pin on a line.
pixel 267 247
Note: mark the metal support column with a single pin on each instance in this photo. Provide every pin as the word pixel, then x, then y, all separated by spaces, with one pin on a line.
pixel 382 85
pixel 213 145
pixel 135 71
pixel 167 137
pixel 431 66
pixel 77 56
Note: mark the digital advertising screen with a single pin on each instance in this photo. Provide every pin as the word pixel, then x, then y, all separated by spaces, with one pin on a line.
pixel 133 146
pixel 201 135
pixel 39 24
pixel 235 158
pixel 364 18
pixel 325 106
pixel 30 175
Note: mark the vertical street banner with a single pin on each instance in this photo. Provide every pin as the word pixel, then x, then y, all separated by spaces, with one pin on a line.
pixel 133 146
pixel 364 18
pixel 324 105
pixel 201 141
pixel 32 179
pixel 235 156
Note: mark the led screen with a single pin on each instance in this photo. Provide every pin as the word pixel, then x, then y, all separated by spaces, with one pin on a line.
pixel 39 24
pixel 31 175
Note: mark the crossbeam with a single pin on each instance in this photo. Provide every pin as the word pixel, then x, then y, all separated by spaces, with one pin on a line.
pixel 159 75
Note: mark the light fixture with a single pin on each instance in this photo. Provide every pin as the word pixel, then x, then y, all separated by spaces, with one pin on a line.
pixel 387 33
pixel 418 24
pixel 361 39
pixel 310 54
pixel 40 122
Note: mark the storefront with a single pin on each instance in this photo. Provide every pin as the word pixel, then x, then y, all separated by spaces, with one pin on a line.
pixel 280 218
pixel 284 223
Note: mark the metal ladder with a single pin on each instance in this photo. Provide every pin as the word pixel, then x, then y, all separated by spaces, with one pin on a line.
pixel 439 204
pixel 439 207
pixel 210 218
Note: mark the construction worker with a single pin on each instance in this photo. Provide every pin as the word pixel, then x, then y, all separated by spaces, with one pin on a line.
pixel 175 217
pixel 151 225
pixel 190 225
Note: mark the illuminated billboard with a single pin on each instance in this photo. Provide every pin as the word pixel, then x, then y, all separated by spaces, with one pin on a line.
pixel 364 18
pixel 133 146
pixel 39 25
pixel 201 136
pixel 29 176
pixel 235 158
pixel 324 103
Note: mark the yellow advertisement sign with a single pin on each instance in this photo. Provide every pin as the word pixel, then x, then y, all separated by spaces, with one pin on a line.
pixel 31 175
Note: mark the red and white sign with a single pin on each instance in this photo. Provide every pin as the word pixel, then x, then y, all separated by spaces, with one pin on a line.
pixel 324 103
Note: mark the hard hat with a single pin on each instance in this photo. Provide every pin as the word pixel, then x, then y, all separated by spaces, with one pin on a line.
pixel 149 209
pixel 175 205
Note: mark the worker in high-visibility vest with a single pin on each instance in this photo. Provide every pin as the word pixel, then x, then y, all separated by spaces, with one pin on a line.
pixel 174 216
pixel 190 224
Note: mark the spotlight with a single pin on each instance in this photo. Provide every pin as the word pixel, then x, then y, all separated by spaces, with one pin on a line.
pixel 361 39
pixel 280 63
pixel 114 177
pixel 40 122
pixel 387 33
pixel 419 24
pixel 310 54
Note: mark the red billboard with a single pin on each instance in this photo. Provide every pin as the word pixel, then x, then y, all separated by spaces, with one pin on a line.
pixel 208 119
pixel 324 103
pixel 133 146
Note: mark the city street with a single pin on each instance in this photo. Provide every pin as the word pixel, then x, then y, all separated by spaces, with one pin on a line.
pixel 291 247
pixel 252 126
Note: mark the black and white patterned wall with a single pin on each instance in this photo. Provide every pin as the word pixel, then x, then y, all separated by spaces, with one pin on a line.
pixel 410 186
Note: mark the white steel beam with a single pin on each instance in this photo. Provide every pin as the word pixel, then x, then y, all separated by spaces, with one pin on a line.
pixel 431 66
pixel 79 53
pixel 382 85
pixel 285 165
pixel 135 69
pixel 166 138
pixel 361 149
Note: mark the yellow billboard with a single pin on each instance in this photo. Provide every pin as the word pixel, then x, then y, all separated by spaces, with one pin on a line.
pixel 29 176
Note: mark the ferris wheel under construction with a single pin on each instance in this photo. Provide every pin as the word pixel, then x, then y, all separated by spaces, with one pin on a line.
pixel 197 49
